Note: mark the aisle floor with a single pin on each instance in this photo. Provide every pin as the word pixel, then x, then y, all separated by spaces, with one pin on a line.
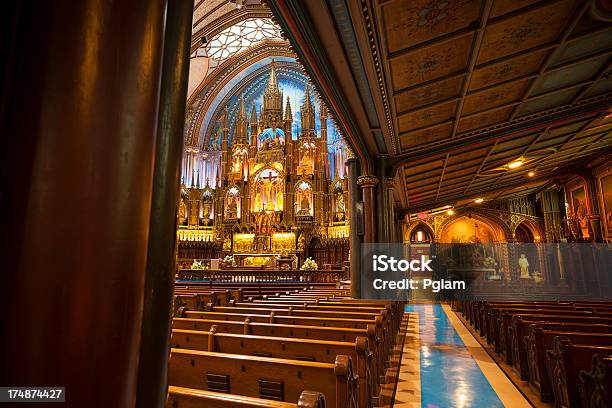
pixel 444 366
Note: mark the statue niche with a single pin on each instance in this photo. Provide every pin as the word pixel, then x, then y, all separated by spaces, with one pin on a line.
pixel 207 208
pixel 307 157
pixel 303 199
pixel 339 205
pixel 239 166
pixel 232 204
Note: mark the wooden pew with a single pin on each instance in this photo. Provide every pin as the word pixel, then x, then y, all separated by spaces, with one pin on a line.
pixel 596 384
pixel 286 348
pixel 383 339
pixel 330 306
pixel 490 328
pixel 222 297
pixel 387 332
pixel 510 338
pixel 565 361
pixel 266 377
pixel 397 308
pixel 286 330
pixel 540 340
pixel 179 397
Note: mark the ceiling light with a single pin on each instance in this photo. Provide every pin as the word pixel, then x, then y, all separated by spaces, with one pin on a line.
pixel 450 212
pixel 531 173
pixel 479 200
pixel 515 164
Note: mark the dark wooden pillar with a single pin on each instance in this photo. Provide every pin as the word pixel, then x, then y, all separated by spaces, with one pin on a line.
pixel 161 261
pixel 368 186
pixel 356 221
pixel 78 126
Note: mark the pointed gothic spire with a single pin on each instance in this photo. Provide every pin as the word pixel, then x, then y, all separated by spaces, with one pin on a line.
pixel 288 113
pixel 254 115
pixel 241 110
pixel 307 102
pixel 273 81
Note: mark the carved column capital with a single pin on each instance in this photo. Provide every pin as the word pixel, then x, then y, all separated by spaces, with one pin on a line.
pixel 367 181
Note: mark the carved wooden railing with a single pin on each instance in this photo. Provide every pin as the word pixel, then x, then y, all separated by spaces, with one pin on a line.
pixel 261 275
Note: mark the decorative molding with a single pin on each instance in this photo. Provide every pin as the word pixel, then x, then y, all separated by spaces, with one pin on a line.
pixel 366 181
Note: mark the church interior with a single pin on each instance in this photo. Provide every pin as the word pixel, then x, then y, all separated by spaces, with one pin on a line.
pixel 200 199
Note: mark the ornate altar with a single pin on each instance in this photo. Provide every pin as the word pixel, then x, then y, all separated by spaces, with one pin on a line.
pixel 266 189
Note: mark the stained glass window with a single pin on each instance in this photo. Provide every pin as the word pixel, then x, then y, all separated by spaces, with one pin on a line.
pixel 237 38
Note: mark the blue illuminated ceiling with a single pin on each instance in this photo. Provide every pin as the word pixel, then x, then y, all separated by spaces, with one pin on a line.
pixel 250 84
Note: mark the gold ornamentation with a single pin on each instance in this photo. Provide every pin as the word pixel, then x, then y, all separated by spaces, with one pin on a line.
pixel 367 181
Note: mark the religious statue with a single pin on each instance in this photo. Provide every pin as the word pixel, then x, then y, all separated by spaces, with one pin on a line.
pixel 301 243
pixel 232 208
pixel 523 266
pixel 182 211
pixel 206 210
pixel 305 204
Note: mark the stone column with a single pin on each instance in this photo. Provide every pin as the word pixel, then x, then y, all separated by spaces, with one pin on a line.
pixel 355 238
pixel 368 184
pixel 592 205
pixel 79 125
pixel 382 199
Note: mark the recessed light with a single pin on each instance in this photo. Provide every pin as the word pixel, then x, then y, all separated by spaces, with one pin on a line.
pixel 531 173
pixel 479 200
pixel 515 164
pixel 450 211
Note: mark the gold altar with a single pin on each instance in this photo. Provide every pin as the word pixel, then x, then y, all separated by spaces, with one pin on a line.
pixel 275 190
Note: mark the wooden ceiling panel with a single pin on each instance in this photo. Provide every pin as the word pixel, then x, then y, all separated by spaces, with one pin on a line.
pixel 409 23
pixel 604 85
pixel 551 142
pixel 495 97
pixel 571 75
pixel 436 92
pixel 423 168
pixel 461 165
pixel 506 70
pixel 423 183
pixel 431 62
pixel 426 136
pixel 484 119
pixel 501 7
pixel 426 117
pixel 548 101
pixel 462 157
pixel 563 130
pixel 454 179
pixel 469 171
pixel 526 30
pixel 582 47
pixel 514 143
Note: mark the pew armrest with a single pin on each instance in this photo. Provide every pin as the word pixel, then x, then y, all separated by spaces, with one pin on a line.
pixel 311 399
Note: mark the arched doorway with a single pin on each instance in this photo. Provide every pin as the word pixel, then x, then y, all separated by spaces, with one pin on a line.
pixel 523 234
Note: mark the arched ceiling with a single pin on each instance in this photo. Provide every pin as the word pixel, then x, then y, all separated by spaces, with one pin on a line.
pixel 217 87
pixel 234 62
pixel 452 89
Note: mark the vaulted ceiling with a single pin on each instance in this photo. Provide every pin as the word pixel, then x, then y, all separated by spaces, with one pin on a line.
pixel 452 91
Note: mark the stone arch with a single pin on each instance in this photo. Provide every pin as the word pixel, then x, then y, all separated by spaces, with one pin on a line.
pixel 532 226
pixel 413 226
pixel 498 228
